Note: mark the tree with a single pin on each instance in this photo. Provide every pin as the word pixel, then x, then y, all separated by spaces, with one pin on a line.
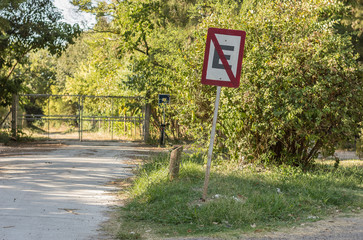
pixel 28 26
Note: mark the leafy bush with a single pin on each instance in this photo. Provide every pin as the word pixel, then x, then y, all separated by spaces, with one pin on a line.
pixel 301 87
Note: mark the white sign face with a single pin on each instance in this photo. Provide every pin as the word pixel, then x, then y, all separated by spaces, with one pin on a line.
pixel 223 57
pixel 230 46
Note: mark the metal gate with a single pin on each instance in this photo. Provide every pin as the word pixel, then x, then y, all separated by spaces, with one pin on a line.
pixel 82 117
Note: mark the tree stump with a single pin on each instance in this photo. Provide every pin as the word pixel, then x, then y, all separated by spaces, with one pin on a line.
pixel 175 159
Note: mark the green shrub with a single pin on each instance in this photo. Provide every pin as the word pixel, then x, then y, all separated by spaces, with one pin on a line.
pixel 301 86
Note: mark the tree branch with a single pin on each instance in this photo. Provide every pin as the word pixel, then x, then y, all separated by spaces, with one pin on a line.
pixel 16 63
pixel 139 50
pixel 146 45
pixel 103 31
pixel 313 151
pixel 11 70
pixel 2 122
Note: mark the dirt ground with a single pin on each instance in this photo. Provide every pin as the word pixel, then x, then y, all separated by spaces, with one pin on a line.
pixel 339 227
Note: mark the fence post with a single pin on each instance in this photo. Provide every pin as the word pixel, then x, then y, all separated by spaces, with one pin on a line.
pixel 147 122
pixel 14 116
pixel 81 119
pixel 112 119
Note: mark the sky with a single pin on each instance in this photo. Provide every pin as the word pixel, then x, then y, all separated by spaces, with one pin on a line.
pixel 72 16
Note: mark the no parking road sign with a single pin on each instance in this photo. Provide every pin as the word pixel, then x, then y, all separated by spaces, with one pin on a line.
pixel 222 67
pixel 223 57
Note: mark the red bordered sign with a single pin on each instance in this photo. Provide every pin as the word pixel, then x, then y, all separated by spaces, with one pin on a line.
pixel 223 57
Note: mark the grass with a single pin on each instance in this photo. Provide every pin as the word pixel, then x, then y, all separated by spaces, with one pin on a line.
pixel 240 199
pixel 6 139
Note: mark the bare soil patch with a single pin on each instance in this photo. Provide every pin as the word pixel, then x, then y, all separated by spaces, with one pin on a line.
pixel 340 226
pixel 19 148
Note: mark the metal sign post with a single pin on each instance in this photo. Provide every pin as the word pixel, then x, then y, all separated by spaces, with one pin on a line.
pixel 210 150
pixel 222 67
pixel 163 125
pixel 163 100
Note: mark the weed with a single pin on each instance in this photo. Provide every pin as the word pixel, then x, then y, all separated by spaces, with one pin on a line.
pixel 128 235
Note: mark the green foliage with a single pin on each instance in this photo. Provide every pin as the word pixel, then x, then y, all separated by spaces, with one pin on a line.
pixel 90 67
pixel 28 26
pixel 68 64
pixel 353 23
pixel 38 72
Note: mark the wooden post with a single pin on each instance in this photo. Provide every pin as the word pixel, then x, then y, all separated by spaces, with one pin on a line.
pixel 175 159
pixel 147 122
pixel 14 116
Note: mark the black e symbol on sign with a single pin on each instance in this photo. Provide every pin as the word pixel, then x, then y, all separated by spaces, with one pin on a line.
pixel 216 57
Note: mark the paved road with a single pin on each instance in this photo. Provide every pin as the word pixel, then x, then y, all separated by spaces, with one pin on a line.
pixel 59 191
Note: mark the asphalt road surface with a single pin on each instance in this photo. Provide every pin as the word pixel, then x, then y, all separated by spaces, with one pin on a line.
pixel 60 191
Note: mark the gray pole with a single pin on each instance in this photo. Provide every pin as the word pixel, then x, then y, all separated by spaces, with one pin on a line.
pixel 79 118
pixel 210 150
pixel 112 119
